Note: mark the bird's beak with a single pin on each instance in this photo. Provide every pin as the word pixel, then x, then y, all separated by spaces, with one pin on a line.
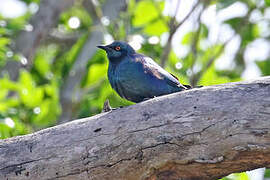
pixel 105 48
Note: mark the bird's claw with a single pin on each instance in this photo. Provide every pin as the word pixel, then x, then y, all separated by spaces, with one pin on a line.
pixel 107 107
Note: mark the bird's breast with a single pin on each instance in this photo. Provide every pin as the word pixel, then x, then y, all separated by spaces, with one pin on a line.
pixel 117 80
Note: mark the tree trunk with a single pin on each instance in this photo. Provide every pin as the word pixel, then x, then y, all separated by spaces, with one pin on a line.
pixel 28 41
pixel 203 133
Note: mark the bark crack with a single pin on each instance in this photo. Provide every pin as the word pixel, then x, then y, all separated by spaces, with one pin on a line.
pixel 158 126
pixel 94 167
pixel 18 168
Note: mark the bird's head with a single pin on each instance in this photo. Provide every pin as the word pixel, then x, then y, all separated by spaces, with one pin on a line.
pixel 117 50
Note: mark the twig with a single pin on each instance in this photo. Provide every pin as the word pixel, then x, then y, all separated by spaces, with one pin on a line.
pixel 173 29
pixel 195 40
pixel 196 77
pixel 63 38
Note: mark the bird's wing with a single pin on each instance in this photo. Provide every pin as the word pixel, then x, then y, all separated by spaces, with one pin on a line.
pixel 154 69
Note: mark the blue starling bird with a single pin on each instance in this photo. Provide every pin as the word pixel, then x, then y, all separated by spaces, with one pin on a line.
pixel 136 77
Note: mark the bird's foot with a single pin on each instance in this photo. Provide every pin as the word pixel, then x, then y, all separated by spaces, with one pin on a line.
pixel 107 107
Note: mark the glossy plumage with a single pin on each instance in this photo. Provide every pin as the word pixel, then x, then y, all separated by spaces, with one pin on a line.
pixel 136 77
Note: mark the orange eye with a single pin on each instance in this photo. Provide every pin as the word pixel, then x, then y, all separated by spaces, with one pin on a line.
pixel 117 48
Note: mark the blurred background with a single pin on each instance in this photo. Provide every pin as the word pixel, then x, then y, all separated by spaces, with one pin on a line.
pixel 51 71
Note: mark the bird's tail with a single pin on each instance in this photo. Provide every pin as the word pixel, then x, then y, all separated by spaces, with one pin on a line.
pixel 187 86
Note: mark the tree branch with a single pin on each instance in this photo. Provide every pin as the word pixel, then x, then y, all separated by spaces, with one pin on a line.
pixel 66 39
pixel 173 28
pixel 203 133
pixel 195 78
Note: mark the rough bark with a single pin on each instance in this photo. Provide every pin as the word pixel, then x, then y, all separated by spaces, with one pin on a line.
pixel 203 133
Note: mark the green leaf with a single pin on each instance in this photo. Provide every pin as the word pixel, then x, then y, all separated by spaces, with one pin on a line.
pixel 232 74
pixel 64 63
pixel 41 64
pixel 250 33
pixel 187 38
pixel 48 112
pixel 4 42
pixel 241 176
pixel 5 131
pixel 156 28
pixel 77 11
pixel 5 83
pixel 145 12
pixel 51 90
pixel 267 173
pixel 210 77
pixel 3 93
pixel 30 95
pixel 8 103
pixel 267 2
pixel 264 67
pixel 32 98
pixel 96 72
pixel 44 58
pixel 225 178
pixel 148 17
pixel 235 22
pixel 131 6
pixel 204 31
pixel 210 52
pixel 221 4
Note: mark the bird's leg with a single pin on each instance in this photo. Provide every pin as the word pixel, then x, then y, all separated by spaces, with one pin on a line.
pixel 107 107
